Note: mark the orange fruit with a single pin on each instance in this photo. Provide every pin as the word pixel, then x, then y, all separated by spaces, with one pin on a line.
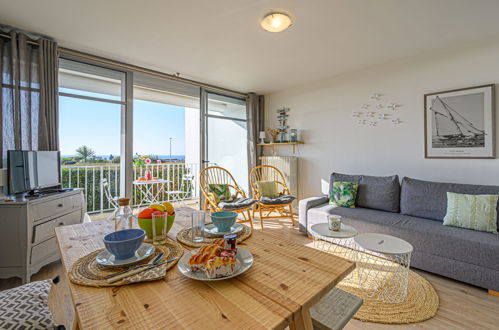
pixel 146 213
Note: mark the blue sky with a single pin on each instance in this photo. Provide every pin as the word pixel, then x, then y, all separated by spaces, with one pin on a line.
pixel 97 125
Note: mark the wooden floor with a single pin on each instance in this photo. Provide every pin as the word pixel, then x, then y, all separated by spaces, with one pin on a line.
pixel 462 306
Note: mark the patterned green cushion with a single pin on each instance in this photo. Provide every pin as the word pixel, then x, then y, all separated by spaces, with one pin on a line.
pixel 344 194
pixel 477 212
pixel 267 189
pixel 221 192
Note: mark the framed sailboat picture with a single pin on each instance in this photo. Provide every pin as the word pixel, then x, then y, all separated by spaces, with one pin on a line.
pixel 460 123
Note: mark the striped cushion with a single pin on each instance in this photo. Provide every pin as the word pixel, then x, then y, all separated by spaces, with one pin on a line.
pixel 477 212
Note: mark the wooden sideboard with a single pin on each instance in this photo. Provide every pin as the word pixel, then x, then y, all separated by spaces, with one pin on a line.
pixel 27 231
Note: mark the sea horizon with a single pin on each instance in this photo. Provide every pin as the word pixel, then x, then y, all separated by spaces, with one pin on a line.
pixel 117 155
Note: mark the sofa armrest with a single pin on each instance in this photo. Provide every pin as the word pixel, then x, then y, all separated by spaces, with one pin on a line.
pixel 305 205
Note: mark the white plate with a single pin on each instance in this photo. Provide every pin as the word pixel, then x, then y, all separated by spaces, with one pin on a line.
pixel 211 229
pixel 105 258
pixel 244 260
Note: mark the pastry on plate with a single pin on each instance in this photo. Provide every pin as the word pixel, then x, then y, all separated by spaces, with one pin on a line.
pixel 219 241
pixel 211 249
pixel 198 261
pixel 220 267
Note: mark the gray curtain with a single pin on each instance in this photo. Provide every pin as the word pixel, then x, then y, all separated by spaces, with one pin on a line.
pixel 48 137
pixel 255 107
pixel 28 97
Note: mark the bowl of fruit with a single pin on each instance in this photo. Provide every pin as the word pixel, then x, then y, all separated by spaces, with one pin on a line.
pixel 145 217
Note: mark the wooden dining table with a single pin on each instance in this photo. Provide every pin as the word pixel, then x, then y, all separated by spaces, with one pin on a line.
pixel 285 280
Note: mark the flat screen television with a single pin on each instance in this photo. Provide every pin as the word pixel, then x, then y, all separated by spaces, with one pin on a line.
pixel 30 171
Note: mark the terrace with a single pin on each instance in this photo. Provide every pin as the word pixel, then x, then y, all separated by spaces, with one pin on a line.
pixel 182 185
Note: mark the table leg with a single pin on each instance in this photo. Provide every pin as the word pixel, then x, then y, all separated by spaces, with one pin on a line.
pixel 142 194
pixel 76 322
pixel 302 321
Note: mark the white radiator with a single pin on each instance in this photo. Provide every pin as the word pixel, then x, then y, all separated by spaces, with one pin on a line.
pixel 288 166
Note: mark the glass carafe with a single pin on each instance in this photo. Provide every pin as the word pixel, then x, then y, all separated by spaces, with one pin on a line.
pixel 123 216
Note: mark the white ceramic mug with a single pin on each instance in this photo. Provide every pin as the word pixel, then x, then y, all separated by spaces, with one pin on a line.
pixel 334 222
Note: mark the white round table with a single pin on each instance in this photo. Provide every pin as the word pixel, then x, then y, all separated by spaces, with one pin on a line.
pixel 339 242
pixel 148 194
pixel 383 264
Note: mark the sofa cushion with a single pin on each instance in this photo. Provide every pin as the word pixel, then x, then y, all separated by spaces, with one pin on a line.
pixel 379 193
pixel 477 212
pixel 426 199
pixel 428 236
pixel 375 192
pixel 344 193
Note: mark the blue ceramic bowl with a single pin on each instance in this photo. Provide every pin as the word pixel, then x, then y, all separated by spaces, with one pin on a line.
pixel 223 220
pixel 123 243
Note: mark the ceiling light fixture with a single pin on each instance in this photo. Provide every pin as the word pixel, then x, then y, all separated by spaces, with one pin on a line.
pixel 276 22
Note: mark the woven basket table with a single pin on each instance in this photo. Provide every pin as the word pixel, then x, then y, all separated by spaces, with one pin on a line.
pixel 184 236
pixel 86 271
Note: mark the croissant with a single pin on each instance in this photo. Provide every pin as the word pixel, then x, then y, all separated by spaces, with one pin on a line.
pixel 211 249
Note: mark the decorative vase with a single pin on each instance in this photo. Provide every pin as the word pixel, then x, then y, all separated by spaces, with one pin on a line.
pixel 148 174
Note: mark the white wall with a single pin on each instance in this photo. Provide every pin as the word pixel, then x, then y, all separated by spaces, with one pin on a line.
pixel 322 111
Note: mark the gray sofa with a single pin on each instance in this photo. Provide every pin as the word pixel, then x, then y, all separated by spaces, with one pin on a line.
pixel 414 211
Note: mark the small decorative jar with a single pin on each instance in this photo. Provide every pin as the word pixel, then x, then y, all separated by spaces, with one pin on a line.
pixel 293 135
pixel 334 222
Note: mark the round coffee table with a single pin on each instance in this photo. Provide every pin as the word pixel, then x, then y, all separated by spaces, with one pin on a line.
pixel 339 242
pixel 383 264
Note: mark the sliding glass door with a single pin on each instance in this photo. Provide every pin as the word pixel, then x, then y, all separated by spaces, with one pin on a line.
pixel 224 133
pixel 166 131
pixel 91 108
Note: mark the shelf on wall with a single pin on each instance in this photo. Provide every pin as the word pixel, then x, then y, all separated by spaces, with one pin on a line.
pixel 278 143
pixel 273 144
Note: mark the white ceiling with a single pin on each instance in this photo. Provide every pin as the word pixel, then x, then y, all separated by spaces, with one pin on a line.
pixel 221 42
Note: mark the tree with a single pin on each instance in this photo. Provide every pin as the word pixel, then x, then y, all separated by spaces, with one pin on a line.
pixel 84 153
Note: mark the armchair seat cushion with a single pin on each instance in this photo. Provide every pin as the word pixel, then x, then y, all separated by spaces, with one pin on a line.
pixel 284 199
pixel 236 204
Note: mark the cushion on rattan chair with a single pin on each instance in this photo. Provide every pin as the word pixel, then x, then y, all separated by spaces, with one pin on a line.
pixel 237 203
pixel 284 199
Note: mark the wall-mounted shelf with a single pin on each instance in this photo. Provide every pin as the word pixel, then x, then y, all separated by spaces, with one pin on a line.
pixel 278 143
pixel 273 144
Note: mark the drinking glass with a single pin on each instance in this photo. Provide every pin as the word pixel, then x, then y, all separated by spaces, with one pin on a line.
pixel 198 226
pixel 334 222
pixel 159 224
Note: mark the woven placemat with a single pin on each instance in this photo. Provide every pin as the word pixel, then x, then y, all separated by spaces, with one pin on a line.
pixel 185 237
pixel 86 271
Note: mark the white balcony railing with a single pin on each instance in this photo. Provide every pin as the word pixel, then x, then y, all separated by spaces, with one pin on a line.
pixel 182 177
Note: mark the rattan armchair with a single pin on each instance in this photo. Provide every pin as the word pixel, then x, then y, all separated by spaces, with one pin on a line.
pixel 271 173
pixel 219 175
